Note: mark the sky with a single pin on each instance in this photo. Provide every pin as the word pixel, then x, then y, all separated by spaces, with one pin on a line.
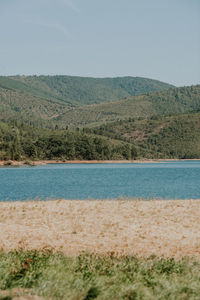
pixel 158 39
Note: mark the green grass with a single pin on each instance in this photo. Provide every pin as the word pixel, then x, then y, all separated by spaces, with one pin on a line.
pixel 88 276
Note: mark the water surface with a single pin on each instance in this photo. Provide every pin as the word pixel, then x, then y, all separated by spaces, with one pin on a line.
pixel 167 180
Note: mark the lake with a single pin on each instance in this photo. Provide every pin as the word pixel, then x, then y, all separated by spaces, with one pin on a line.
pixel 167 180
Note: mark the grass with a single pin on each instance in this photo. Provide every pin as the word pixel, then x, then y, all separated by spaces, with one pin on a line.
pixel 87 276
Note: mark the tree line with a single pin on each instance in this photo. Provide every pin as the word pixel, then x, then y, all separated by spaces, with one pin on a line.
pixel 19 142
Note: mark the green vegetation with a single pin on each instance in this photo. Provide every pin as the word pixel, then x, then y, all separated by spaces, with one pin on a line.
pixel 82 90
pixel 47 112
pixel 157 137
pixel 161 124
pixel 55 276
pixel 15 105
pixel 19 142
pixel 168 102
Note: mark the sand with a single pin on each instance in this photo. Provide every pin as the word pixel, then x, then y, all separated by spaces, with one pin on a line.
pixel 170 228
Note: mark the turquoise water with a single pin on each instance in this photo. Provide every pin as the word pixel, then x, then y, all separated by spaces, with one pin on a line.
pixel 171 180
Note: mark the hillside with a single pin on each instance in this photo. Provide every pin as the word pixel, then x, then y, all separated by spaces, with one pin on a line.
pixel 86 90
pixel 81 90
pixel 171 101
pixel 16 105
pixel 20 142
pixel 175 136
pixel 39 111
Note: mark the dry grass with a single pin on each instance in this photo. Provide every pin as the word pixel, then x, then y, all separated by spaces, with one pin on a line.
pixel 169 228
pixel 19 294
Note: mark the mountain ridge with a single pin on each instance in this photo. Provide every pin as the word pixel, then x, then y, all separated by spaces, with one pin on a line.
pixel 49 113
pixel 76 90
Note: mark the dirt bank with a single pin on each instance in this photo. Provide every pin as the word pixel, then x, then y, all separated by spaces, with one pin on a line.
pixel 169 228
pixel 44 162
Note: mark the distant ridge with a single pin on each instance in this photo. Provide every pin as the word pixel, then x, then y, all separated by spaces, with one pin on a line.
pixel 21 104
pixel 76 90
pixel 167 102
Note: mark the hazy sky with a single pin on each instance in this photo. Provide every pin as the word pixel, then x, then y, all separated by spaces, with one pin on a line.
pixel 158 39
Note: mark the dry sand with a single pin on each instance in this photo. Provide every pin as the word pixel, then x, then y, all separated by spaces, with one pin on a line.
pixel 169 228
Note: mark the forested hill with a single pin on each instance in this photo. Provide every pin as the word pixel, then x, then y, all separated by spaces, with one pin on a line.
pixel 175 136
pixel 15 105
pixel 21 142
pixel 81 90
pixel 38 111
pixel 169 102
pixel 154 124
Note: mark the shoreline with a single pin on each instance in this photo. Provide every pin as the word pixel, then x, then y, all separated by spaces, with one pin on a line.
pixel 45 162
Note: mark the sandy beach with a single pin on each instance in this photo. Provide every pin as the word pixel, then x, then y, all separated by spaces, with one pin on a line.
pixel 170 228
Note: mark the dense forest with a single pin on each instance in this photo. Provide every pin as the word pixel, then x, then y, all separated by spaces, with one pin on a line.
pixel 20 142
pixel 175 136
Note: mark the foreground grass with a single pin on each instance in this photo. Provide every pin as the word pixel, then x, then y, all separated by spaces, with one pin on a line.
pixel 56 276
